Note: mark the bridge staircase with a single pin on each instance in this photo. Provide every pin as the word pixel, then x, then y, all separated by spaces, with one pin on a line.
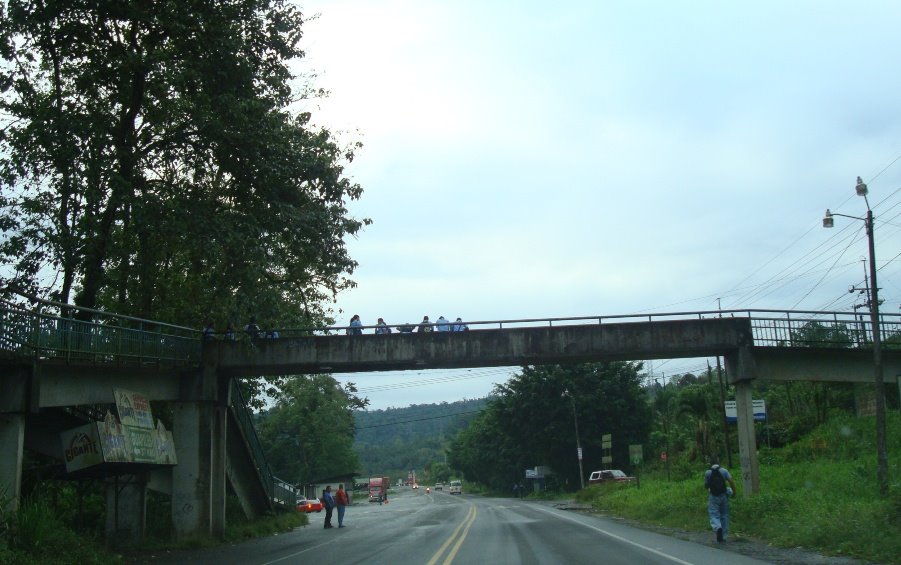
pixel 50 333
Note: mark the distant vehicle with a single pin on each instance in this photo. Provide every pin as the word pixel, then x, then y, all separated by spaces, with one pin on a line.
pixel 456 487
pixel 415 485
pixel 439 486
pixel 309 505
pixel 378 489
pixel 608 475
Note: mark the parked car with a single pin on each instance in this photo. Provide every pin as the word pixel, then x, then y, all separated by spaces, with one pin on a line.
pixel 309 505
pixel 608 475
pixel 439 486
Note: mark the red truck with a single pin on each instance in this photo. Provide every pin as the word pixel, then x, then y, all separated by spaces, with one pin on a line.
pixel 378 489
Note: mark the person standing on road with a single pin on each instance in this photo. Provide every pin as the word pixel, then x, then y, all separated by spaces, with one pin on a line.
pixel 721 487
pixel 329 502
pixel 342 501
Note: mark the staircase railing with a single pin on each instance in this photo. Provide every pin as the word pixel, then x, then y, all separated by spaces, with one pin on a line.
pixel 279 491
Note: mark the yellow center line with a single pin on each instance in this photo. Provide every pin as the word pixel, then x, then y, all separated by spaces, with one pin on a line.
pixel 453 552
pixel 469 517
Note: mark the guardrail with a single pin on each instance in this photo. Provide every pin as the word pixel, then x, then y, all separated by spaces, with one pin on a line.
pixel 106 338
pixel 279 491
pixel 776 328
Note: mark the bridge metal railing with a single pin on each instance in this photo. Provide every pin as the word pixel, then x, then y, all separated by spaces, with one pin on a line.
pixel 770 328
pixel 279 491
pixel 52 330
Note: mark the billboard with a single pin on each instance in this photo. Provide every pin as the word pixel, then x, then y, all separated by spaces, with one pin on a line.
pixel 129 438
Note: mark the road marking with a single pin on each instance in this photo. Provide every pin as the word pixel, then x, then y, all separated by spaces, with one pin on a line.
pixel 467 523
pixel 616 537
pixel 295 554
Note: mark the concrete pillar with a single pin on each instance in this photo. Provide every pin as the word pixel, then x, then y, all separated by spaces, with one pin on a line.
pixel 191 487
pixel 218 470
pixel 12 438
pixel 126 509
pixel 747 438
pixel 199 478
pixel 741 371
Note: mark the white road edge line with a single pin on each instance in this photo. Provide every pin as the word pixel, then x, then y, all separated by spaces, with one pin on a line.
pixel 614 536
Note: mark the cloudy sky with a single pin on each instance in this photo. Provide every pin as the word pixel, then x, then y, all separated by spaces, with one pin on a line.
pixel 536 159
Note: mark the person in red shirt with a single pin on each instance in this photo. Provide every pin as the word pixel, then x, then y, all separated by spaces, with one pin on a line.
pixel 342 501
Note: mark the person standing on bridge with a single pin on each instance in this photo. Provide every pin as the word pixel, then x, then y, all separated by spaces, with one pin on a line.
pixel 442 325
pixel 459 326
pixel 425 325
pixel 356 326
pixel 252 329
pixel 342 501
pixel 382 328
pixel 328 501
pixel 721 487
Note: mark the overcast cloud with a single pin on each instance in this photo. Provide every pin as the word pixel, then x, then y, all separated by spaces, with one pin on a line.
pixel 532 159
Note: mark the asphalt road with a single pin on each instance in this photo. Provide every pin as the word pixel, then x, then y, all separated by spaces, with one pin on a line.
pixel 438 528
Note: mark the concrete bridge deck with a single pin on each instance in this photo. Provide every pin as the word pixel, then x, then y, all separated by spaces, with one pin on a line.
pixel 50 362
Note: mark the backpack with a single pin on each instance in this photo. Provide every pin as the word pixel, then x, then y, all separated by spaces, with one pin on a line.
pixel 717 482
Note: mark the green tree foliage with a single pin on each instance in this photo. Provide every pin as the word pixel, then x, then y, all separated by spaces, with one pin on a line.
pixel 395 441
pixel 151 165
pixel 531 422
pixel 309 433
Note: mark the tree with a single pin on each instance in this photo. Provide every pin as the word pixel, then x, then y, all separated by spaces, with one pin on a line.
pixel 530 422
pixel 150 163
pixel 309 432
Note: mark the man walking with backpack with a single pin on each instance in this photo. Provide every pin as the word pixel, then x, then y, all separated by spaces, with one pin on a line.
pixel 715 481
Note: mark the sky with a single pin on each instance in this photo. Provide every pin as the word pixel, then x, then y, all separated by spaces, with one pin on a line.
pixel 531 159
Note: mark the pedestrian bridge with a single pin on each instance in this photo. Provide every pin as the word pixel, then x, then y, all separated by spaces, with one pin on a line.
pixel 53 361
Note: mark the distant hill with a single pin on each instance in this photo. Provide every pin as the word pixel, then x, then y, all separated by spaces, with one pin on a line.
pixel 396 440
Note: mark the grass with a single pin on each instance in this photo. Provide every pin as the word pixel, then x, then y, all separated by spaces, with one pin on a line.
pixel 36 535
pixel 820 494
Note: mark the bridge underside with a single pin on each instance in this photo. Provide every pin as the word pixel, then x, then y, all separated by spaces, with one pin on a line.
pixel 481 348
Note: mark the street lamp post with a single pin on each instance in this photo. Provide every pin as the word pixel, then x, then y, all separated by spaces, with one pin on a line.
pixel 578 443
pixel 881 447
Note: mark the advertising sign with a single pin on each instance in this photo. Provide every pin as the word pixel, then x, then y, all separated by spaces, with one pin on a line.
pixel 112 440
pixel 81 447
pixel 133 408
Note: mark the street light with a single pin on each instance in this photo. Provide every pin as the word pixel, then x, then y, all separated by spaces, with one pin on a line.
pixel 881 448
pixel 578 443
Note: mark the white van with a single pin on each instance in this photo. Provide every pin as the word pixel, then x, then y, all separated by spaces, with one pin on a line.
pixel 456 487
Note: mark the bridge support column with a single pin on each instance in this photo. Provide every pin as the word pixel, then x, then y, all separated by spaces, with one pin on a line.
pixel 126 509
pixel 741 372
pixel 198 480
pixel 12 438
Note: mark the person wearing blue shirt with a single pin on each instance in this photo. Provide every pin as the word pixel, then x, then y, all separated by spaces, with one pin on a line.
pixel 459 326
pixel 442 325
pixel 721 487
pixel 356 326
pixel 328 501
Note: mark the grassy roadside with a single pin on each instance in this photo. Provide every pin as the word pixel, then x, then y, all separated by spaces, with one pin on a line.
pixel 36 535
pixel 819 494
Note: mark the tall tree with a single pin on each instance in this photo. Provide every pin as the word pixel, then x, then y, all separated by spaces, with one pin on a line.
pixel 309 433
pixel 532 422
pixel 150 163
